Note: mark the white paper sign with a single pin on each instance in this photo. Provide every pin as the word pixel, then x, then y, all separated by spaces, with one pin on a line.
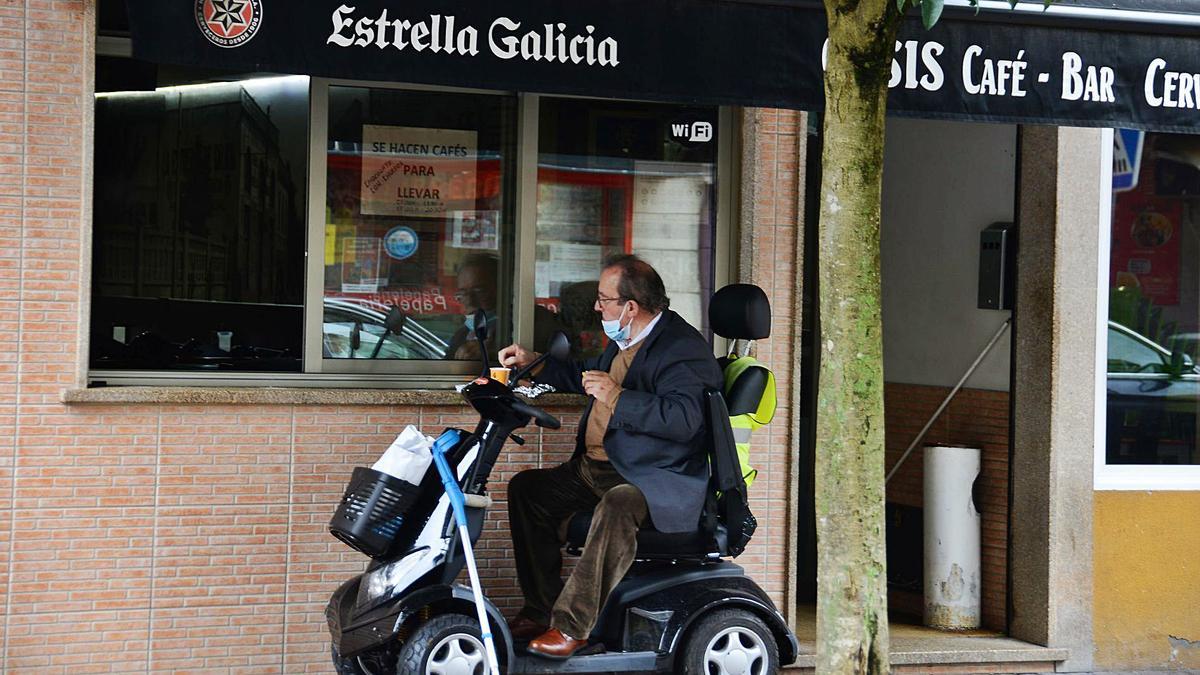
pixel 360 264
pixel 474 229
pixel 412 171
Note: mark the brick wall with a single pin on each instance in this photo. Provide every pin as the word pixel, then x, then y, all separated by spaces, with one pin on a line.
pixel 772 189
pixel 164 538
pixel 43 84
pixel 169 538
pixel 975 418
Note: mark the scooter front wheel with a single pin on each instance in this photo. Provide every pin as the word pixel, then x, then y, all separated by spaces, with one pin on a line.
pixel 449 644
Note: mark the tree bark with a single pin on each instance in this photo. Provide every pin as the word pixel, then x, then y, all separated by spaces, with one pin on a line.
pixel 852 629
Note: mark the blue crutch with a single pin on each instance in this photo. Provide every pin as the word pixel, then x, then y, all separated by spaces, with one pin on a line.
pixel 458 503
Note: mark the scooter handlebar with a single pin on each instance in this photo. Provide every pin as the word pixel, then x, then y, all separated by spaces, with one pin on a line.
pixel 541 417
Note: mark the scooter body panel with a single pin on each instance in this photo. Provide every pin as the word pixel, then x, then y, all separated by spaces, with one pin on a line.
pixel 694 600
pixel 653 607
pixel 382 624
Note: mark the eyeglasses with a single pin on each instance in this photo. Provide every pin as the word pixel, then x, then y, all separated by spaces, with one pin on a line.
pixel 600 299
pixel 472 292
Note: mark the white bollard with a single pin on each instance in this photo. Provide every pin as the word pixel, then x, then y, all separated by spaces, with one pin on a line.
pixel 952 532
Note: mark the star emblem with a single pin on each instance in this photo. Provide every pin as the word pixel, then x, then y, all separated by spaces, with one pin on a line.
pixel 228 13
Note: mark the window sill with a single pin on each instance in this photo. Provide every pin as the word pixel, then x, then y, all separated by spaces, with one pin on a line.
pixel 285 396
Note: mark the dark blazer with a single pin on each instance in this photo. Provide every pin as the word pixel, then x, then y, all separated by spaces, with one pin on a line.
pixel 656 438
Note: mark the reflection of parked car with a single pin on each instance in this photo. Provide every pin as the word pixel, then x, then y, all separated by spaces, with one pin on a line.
pixel 1153 396
pixel 344 317
pixel 1189 343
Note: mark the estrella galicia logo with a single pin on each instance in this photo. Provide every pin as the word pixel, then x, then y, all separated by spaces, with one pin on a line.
pixel 229 23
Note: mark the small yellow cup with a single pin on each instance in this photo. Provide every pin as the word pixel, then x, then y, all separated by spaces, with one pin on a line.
pixel 501 374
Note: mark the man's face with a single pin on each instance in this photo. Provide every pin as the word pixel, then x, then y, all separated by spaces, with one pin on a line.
pixel 608 303
pixel 475 290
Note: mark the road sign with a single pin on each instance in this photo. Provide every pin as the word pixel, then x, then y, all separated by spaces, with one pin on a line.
pixel 1127 158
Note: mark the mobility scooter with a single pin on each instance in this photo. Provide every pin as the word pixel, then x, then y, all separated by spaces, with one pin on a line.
pixel 683 607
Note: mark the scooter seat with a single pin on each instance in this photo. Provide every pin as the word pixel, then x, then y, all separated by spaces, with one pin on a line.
pixel 651 544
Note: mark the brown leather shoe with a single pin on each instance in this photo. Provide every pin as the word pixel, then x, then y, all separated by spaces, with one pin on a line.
pixel 554 644
pixel 524 628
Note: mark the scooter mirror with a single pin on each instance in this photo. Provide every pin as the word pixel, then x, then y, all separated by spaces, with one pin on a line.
pixel 560 346
pixel 395 319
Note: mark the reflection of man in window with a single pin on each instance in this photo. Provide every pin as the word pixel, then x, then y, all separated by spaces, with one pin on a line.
pixel 476 286
pixel 476 291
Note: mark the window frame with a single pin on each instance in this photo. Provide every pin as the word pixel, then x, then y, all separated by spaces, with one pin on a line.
pixel 429 374
pixel 1113 477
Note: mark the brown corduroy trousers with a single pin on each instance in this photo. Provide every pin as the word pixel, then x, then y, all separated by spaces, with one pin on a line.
pixel 539 502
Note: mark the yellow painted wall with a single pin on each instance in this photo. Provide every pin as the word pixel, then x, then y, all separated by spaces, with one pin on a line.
pixel 1147 580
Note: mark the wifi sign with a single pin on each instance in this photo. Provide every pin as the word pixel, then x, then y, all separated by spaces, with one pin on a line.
pixel 693 132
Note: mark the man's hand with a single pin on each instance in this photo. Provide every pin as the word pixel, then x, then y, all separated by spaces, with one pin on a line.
pixel 516 357
pixel 600 385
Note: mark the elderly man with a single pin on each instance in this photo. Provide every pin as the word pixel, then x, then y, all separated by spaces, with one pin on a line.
pixel 640 452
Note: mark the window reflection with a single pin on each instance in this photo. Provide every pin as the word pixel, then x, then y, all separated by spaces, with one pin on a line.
pixel 1154 301
pixel 198 249
pixel 417 218
pixel 622 178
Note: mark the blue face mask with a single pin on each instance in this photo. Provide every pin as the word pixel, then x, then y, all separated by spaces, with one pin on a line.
pixel 469 320
pixel 613 328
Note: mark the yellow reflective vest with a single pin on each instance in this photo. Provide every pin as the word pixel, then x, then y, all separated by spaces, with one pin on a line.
pixel 745 424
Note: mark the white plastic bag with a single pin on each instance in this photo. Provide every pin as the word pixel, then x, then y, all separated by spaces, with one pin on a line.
pixel 408 457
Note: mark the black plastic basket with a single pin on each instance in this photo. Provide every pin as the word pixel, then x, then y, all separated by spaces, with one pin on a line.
pixel 372 511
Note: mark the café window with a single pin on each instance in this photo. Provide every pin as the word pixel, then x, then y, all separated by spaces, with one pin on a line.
pixel 198 227
pixel 251 228
pixel 1153 327
pixel 622 178
pixel 418 225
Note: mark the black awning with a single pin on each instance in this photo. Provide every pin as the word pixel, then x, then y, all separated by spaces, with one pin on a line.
pixel 995 66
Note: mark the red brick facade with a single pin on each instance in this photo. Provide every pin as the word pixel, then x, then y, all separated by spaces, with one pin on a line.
pixel 159 537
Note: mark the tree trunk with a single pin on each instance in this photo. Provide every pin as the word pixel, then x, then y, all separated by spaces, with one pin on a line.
pixel 852 630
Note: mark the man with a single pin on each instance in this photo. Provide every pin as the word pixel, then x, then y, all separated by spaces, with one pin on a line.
pixel 639 452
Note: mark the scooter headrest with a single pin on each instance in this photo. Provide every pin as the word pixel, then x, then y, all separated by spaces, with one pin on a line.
pixel 740 312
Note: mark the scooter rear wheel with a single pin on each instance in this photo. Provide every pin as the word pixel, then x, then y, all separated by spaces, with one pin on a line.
pixel 448 644
pixel 729 642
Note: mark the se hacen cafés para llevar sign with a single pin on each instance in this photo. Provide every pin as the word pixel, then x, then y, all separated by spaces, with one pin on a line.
pixel 408 171
pixel 688 51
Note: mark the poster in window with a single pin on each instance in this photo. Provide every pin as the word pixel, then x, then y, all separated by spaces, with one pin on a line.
pixel 474 229
pixel 416 172
pixel 360 264
pixel 1145 246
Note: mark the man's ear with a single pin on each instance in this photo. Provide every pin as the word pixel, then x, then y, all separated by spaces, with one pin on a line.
pixel 634 309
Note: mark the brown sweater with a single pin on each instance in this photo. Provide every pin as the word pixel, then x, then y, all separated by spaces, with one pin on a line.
pixel 597 424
